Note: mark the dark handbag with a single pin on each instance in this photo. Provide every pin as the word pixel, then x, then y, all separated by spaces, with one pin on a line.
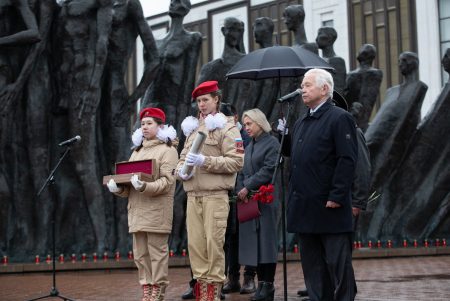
pixel 247 211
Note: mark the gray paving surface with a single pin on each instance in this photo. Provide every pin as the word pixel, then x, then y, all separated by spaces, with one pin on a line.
pixel 412 278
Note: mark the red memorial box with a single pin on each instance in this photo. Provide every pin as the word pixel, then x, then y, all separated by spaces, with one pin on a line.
pixel 144 169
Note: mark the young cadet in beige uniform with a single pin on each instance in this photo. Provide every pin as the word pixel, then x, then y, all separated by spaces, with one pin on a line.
pixel 214 173
pixel 150 204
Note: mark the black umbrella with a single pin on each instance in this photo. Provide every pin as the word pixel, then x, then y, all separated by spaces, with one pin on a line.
pixel 276 61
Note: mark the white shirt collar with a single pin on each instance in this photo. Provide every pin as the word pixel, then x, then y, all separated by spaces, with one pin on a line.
pixel 316 108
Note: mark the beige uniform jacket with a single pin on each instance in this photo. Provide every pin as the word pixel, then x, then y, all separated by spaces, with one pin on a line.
pixel 151 209
pixel 223 159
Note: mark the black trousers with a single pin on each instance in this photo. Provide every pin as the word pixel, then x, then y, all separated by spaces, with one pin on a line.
pixel 327 266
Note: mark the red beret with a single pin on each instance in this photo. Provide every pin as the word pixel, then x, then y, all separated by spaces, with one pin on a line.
pixel 153 112
pixel 205 88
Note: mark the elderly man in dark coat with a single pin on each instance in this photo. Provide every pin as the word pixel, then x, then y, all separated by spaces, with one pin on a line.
pixel 323 156
pixel 258 237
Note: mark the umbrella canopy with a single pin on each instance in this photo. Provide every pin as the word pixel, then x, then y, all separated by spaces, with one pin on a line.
pixel 276 61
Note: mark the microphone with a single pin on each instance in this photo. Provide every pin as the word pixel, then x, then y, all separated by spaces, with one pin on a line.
pixel 290 96
pixel 70 141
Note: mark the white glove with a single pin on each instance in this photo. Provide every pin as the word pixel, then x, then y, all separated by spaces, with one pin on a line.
pixel 112 186
pixel 282 126
pixel 185 177
pixel 137 184
pixel 195 159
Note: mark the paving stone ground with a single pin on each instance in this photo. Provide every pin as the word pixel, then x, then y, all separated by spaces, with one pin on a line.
pixel 398 279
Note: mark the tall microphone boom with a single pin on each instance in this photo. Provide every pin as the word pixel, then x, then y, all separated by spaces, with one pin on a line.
pixel 70 141
pixel 290 96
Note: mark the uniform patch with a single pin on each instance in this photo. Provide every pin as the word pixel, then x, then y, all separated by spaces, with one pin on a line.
pixel 239 144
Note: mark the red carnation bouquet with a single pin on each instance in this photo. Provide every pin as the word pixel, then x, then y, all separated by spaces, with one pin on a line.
pixel 264 194
pixel 250 210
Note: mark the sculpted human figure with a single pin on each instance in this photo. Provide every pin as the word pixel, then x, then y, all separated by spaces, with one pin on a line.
pixel 38 100
pixel 179 51
pixel 171 91
pixel 415 203
pixel 236 92
pixel 391 130
pixel 265 91
pixel 81 54
pixel 294 18
pixel 127 24
pixel 326 36
pixel 363 84
pixel 15 67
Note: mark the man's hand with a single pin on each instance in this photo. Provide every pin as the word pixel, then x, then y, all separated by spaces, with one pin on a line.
pixel 137 184
pixel 242 194
pixel 195 159
pixel 331 204
pixel 281 127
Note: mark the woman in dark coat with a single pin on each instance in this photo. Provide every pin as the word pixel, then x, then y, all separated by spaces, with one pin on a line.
pixel 258 237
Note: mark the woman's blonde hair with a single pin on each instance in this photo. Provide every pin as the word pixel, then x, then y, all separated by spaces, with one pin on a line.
pixel 259 118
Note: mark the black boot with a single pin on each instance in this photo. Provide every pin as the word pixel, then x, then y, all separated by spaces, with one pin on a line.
pixel 302 293
pixel 266 293
pixel 258 290
pixel 248 286
pixel 189 293
pixel 232 285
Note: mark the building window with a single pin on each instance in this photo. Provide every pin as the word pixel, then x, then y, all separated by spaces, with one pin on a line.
pixel 444 28
pixel 329 23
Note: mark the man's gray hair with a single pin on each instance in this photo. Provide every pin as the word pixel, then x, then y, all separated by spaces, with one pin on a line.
pixel 323 78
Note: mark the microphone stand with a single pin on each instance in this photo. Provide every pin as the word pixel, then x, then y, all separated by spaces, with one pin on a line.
pixel 283 200
pixel 50 182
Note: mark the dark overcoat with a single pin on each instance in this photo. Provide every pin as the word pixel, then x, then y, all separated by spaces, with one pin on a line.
pixel 258 237
pixel 323 158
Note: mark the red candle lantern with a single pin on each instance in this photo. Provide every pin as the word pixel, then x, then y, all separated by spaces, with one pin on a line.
pixel 37 259
pixel 415 243
pixel 130 255
pixel 61 258
pixel 426 243
pixel 5 259
pixel 295 248
pixel 183 253
pixel 83 257
pixel 94 257
pixel 48 259
pixel 405 243
pixel 444 242
pixel 379 244
pixel 389 243
pixel 171 253
pixel 359 244
pixel 369 244
pixel 438 242
pixel 73 258
pixel 105 256
pixel 117 256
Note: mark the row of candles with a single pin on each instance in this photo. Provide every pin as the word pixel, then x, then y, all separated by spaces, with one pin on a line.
pixel 390 244
pixel 84 257
pixel 73 258
pixel 356 245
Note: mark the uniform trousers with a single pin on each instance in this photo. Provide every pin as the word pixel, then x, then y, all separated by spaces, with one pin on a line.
pixel 206 222
pixel 151 256
pixel 327 266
